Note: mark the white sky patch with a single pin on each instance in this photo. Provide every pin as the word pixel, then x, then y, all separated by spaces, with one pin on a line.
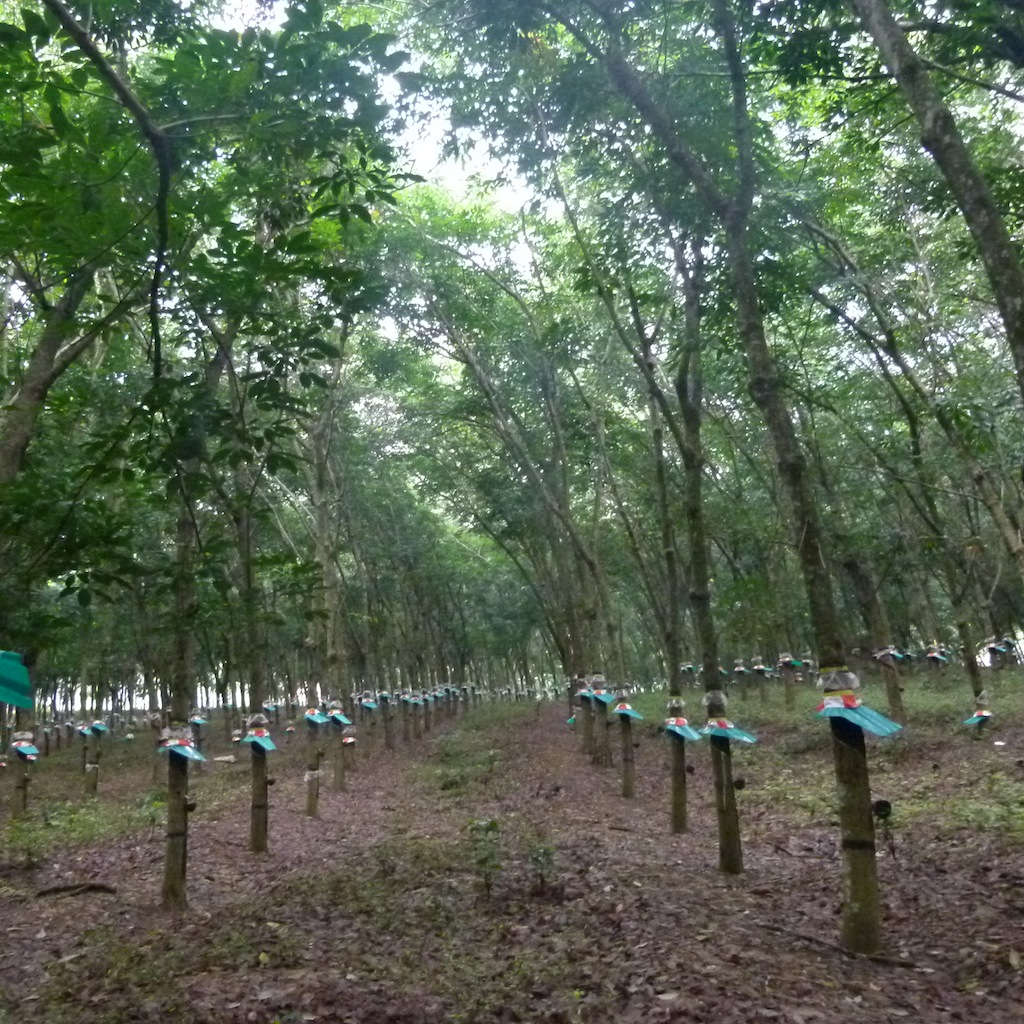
pixel 476 175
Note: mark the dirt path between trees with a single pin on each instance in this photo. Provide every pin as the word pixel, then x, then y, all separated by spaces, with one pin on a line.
pixel 492 874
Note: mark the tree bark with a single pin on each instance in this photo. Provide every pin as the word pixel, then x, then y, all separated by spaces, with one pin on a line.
pixel 313 757
pixel 259 818
pixel 176 857
pixel 941 137
pixel 689 390
pixel 628 764
pixel 861 911
pixel 49 359
pixel 679 802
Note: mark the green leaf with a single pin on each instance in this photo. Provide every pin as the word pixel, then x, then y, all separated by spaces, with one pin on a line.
pixel 304 16
pixel 392 61
pixel 35 25
pixel 11 34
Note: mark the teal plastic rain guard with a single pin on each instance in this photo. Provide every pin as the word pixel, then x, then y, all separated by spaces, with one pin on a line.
pixel 15 687
pixel 626 711
pixel 182 747
pixel 314 716
pixel 846 704
pixel 723 727
pixel 259 738
pixel 339 717
pixel 680 727
pixel 25 750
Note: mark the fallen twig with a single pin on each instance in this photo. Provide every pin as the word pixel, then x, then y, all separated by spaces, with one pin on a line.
pixel 75 889
pixel 817 940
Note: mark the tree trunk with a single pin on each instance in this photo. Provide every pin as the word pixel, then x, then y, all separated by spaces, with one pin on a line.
pixel 176 856
pixel 253 655
pixel 677 745
pixel 312 778
pixel 339 782
pixel 260 802
pixel 689 390
pixel 941 137
pixel 587 744
pixel 49 359
pixel 389 727
pixel 730 847
pixel 19 802
pixel 861 911
pixel 628 765
pixel 877 622
pixel 602 755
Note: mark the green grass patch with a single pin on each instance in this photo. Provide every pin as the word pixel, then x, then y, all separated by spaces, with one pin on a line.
pixel 54 823
pixel 54 826
pixel 470 755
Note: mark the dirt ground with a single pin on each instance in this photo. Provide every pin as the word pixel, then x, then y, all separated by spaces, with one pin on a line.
pixel 492 874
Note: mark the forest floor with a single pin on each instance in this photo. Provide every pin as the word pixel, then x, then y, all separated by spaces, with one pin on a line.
pixel 488 872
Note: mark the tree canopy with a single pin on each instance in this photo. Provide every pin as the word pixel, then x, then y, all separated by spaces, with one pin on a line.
pixel 281 416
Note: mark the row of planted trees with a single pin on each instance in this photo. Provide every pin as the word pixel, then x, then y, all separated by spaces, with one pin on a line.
pixel 378 722
pixel 544 398
pixel 636 63
pixel 742 375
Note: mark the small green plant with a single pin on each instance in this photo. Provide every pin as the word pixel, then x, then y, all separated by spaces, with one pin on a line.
pixel 154 807
pixel 485 836
pixel 541 858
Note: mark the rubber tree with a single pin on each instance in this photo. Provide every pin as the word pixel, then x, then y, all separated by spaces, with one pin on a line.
pixel 690 389
pixel 532 491
pixel 942 137
pixel 612 40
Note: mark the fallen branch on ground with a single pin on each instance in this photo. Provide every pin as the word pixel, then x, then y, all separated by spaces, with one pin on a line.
pixel 75 889
pixel 817 940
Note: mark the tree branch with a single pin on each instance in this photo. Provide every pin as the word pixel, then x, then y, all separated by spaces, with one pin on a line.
pixel 158 142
